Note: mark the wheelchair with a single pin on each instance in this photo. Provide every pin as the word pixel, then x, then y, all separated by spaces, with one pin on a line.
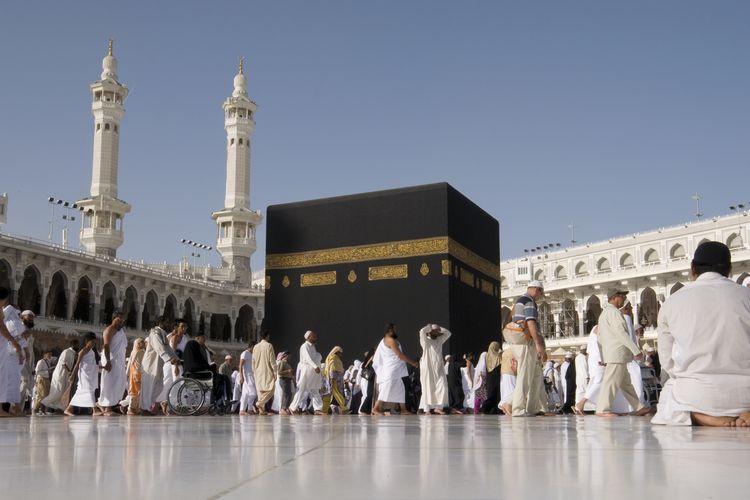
pixel 651 385
pixel 192 394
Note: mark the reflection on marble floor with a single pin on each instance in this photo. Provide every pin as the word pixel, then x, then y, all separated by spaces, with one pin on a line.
pixel 364 457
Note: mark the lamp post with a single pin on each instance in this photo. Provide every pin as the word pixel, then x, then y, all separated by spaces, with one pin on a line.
pixel 697 199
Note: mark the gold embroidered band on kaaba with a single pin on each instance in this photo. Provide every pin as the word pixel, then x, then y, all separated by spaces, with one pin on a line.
pixel 384 251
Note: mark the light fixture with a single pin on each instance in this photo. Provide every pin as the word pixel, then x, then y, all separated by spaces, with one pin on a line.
pixel 597 287
pixel 652 278
pixel 624 282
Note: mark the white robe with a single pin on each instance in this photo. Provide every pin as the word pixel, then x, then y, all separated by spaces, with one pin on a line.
pixel 634 367
pixel 704 347
pixel 563 371
pixel 169 377
pixel 60 382
pixel 157 356
pixel 308 381
pixel 467 383
pixel 10 389
pixel 114 383
pixel 88 382
pixel 582 376
pixel 432 370
pixel 389 370
pixel 248 394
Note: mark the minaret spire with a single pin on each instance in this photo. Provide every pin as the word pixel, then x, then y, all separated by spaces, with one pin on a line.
pixel 237 221
pixel 104 211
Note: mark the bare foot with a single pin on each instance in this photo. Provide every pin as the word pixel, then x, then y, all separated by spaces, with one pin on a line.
pixel 455 411
pixel 318 412
pixel 642 412
pixel 607 414
pixel 406 413
pixel 711 421
pixel 743 420
pixel 439 412
pixel 69 412
pixel 4 414
pixel 244 414
pixel 377 412
pixel 506 409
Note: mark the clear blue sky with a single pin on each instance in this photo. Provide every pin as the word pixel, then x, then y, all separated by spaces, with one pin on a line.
pixel 605 114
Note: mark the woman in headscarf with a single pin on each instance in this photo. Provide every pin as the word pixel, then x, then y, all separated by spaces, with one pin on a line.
pixel 480 382
pixel 492 380
pixel 334 374
pixel 135 372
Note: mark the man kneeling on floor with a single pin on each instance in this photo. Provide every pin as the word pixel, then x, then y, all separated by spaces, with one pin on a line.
pixel 704 345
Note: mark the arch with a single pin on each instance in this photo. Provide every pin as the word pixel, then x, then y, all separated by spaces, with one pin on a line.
pixel 648 309
pixel 734 241
pixel 57 296
pixel 202 323
pixel 130 307
pixel 603 265
pixel 626 260
pixel 221 326
pixel 677 286
pixel 651 256
pixel 581 269
pixel 569 318
pixel 704 240
pixel 539 275
pixel 170 308
pixel 150 310
pixel 6 274
pixel 561 273
pixel 82 310
pixel 742 278
pixel 546 320
pixel 677 252
pixel 189 314
pixel 593 310
pixel 108 302
pixel 505 316
pixel 29 293
pixel 243 325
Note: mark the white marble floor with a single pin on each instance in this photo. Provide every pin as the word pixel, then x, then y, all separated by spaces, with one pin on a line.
pixel 364 457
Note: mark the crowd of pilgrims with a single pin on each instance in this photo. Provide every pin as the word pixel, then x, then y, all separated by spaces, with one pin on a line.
pixel 703 361
pixel 88 378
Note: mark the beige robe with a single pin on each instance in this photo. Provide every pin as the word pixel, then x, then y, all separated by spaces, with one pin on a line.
pixel 264 366
pixel 158 352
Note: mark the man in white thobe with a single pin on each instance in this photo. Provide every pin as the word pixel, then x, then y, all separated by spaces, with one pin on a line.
pixel 114 380
pixel 12 357
pixel 158 354
pixel 563 372
pixel 704 346
pixel 309 379
pixel 617 351
pixel 582 374
pixel 389 364
pixel 432 370
pixel 60 382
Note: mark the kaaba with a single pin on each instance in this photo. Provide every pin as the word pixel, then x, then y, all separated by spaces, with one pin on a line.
pixel 346 266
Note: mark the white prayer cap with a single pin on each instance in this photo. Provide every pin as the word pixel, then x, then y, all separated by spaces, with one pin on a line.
pixel 648 348
pixel 228 356
pixel 307 334
pixel 569 355
pixel 746 281
pixel 28 312
pixel 435 327
pixel 447 357
pixel 535 284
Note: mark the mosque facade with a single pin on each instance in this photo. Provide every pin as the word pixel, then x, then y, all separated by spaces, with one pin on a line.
pixel 651 266
pixel 76 290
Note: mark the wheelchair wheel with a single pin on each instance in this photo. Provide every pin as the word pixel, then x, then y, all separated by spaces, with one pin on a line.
pixel 186 397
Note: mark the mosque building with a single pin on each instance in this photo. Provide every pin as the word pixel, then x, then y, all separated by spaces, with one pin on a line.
pixel 74 291
pixel 651 266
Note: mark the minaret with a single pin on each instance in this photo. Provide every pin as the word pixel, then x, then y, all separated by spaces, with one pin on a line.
pixel 102 233
pixel 236 221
